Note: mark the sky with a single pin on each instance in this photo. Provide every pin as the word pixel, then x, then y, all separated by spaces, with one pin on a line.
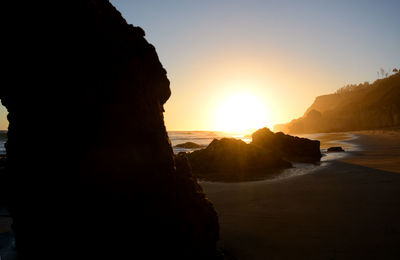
pixel 278 55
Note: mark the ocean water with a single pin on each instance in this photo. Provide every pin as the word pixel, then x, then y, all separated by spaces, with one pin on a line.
pixel 205 137
pixel 176 137
pixel 3 140
pixel 200 137
pixel 345 141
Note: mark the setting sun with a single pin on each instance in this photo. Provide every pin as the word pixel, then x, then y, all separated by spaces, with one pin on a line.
pixel 241 112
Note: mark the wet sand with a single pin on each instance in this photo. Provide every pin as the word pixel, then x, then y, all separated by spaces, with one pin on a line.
pixel 380 149
pixel 349 208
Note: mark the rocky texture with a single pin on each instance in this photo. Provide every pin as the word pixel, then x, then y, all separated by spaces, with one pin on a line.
pixel 90 171
pixel 289 147
pixel 230 159
pixel 335 149
pixel 354 107
pixel 189 145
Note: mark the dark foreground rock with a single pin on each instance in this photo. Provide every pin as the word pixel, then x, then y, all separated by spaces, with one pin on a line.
pixel 3 200
pixel 2 161
pixel 289 147
pixel 230 159
pixel 79 74
pixel 189 145
pixel 335 149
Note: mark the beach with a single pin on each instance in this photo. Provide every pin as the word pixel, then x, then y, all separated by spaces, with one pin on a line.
pixel 347 208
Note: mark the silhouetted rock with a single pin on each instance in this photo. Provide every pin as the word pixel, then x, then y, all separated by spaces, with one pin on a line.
pixel 2 161
pixel 230 159
pixel 289 147
pixel 189 145
pixel 2 191
pixel 79 74
pixel 335 149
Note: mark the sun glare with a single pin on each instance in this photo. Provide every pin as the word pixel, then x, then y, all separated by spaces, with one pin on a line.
pixel 241 112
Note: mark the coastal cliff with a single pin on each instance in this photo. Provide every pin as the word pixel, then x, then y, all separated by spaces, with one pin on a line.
pixel 354 107
pixel 102 181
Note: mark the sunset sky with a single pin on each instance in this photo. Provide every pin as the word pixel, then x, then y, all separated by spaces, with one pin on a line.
pixel 277 55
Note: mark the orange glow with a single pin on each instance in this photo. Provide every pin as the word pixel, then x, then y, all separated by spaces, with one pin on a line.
pixel 241 112
pixel 270 91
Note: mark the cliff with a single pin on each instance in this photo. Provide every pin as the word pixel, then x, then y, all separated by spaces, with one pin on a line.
pixel 357 107
pixel 90 171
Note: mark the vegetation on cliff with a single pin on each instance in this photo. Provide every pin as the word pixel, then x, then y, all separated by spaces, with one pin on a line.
pixel 353 107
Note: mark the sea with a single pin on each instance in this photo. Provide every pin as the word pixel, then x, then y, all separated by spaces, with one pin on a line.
pixel 3 140
pixel 177 137
pixel 204 138
pixel 201 137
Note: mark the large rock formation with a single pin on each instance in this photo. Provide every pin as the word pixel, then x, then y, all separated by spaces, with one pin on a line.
pixel 90 172
pixel 230 159
pixel 289 147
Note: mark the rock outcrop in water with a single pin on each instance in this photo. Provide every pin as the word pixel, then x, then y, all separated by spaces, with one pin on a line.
pixel 289 147
pixel 335 149
pixel 230 159
pixel 189 145
pixel 90 171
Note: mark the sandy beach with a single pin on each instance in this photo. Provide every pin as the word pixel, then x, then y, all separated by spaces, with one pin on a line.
pixel 347 208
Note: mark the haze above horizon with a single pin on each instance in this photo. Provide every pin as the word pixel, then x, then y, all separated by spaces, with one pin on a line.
pixel 279 55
